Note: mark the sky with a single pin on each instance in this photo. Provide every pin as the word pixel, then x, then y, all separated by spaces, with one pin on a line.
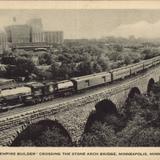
pixel 91 23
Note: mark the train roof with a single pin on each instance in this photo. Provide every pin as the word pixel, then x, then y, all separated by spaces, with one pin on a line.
pixel 64 84
pixel 48 83
pixel 126 67
pixel 64 81
pixel 90 76
pixel 35 84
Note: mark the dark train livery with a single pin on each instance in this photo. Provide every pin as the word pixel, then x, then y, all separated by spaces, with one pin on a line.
pixel 35 92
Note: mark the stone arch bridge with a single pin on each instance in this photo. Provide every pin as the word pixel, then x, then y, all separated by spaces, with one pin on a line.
pixel 73 115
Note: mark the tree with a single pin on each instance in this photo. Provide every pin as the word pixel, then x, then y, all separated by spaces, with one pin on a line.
pixel 65 57
pixel 97 67
pixel 125 58
pixel 24 67
pixel 104 62
pixel 65 71
pixel 114 55
pixel 135 57
pixel 43 133
pixel 147 137
pixel 118 48
pixel 85 68
pixel 55 69
pixel 100 134
pixel 146 54
pixel 53 137
pixel 45 59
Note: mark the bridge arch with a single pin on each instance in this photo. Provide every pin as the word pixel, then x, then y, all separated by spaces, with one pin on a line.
pixel 106 106
pixel 36 130
pixel 133 91
pixel 150 85
pixel 103 108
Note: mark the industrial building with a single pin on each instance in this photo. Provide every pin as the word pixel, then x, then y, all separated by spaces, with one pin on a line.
pixel 31 33
pixel 36 25
pixel 53 37
pixel 18 33
pixel 3 42
pixel 38 37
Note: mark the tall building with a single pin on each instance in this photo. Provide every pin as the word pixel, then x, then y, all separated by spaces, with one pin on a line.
pixel 3 42
pixel 50 37
pixel 18 33
pixel 31 33
pixel 53 37
pixel 36 29
pixel 8 33
pixel 38 37
pixel 36 25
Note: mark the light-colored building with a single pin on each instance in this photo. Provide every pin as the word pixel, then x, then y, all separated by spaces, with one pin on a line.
pixel 53 37
pixel 18 33
pixel 50 37
pixel 38 37
pixel 36 25
pixel 3 42
pixel 32 32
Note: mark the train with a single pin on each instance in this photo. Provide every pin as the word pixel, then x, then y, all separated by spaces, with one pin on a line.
pixel 36 92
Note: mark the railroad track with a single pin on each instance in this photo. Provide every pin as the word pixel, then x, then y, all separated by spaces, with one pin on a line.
pixel 19 118
pixel 27 111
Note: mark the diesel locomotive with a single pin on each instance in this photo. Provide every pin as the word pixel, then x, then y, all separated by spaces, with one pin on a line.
pixel 35 92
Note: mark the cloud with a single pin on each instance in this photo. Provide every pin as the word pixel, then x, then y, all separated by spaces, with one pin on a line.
pixel 141 29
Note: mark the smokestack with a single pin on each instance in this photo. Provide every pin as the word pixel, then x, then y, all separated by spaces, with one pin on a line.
pixel 14 19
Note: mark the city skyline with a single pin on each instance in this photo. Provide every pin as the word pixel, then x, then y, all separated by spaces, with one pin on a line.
pixel 90 23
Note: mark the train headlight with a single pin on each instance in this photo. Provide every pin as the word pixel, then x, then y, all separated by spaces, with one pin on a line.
pixel 51 89
pixel 28 98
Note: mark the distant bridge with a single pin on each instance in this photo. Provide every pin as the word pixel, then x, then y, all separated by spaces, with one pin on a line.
pixel 73 114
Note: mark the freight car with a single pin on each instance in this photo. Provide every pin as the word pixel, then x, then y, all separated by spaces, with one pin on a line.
pixel 89 81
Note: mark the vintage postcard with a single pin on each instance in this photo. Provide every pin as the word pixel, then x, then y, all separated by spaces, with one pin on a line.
pixel 79 80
